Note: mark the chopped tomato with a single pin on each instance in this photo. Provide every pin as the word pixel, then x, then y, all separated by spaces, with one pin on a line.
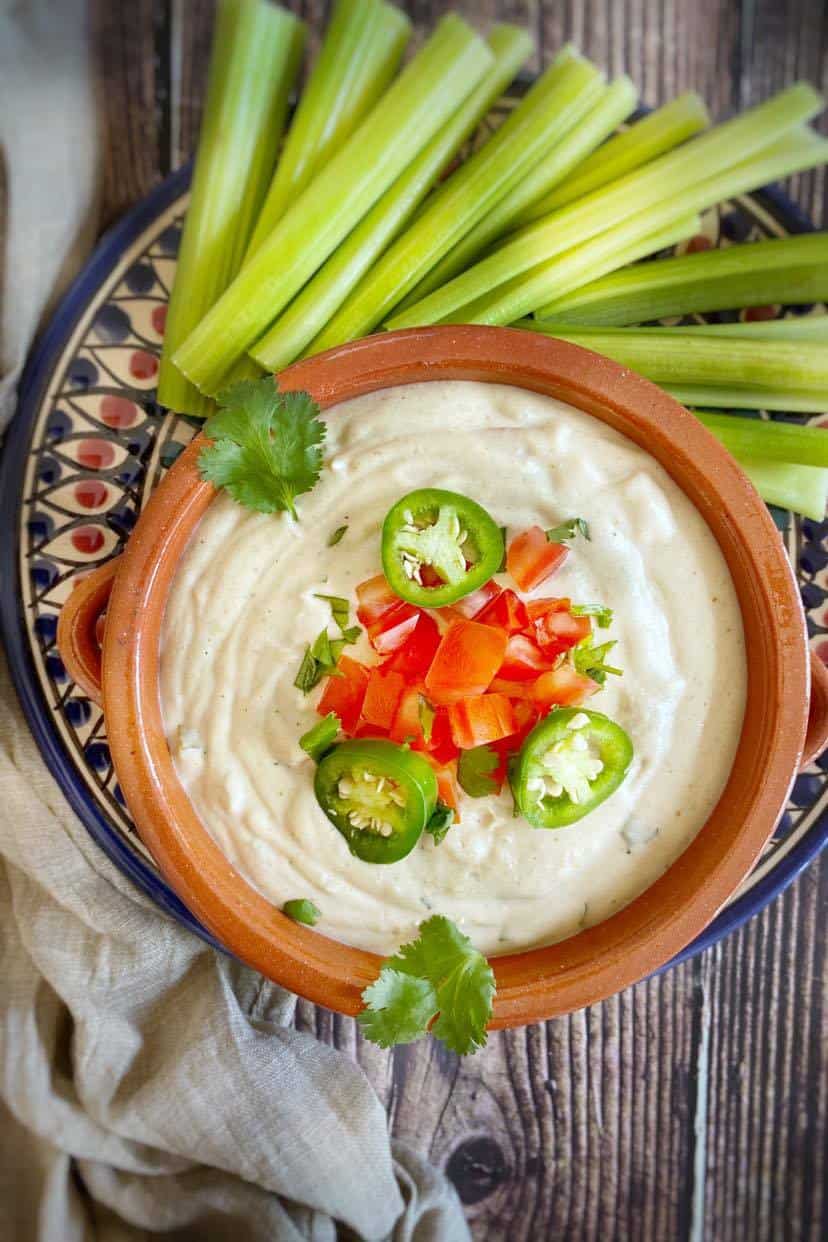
pixel 467 659
pixel 441 744
pixel 537 608
pixel 382 694
pixel 480 719
pixel 523 660
pixel 531 558
pixel 512 689
pixel 506 610
pixel 369 730
pixel 526 717
pixel 344 695
pixel 559 631
pixel 406 725
pixel 374 597
pixel 563 687
pixel 446 774
pixel 414 657
pixel 393 628
pixel 470 605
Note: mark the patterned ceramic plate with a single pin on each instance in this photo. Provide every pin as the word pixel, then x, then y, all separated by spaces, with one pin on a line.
pixel 89 444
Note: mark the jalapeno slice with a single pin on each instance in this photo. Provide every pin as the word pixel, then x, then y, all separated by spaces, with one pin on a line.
pixel 568 765
pixel 438 546
pixel 380 796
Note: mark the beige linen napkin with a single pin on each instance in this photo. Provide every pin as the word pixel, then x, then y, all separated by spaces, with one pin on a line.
pixel 149 1086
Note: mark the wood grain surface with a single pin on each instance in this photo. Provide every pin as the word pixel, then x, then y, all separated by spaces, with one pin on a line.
pixel 692 1106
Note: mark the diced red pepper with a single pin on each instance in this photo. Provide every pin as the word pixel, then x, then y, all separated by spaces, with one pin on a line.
pixel 523 660
pixel 512 689
pixel 369 730
pixel 563 687
pixel 413 658
pixel 441 745
pixel 406 726
pixel 374 598
pixel 393 628
pixel 560 631
pixel 446 774
pixel 470 605
pixel 531 558
pixel 480 719
pixel 382 695
pixel 506 610
pixel 344 695
pixel 467 659
pixel 537 608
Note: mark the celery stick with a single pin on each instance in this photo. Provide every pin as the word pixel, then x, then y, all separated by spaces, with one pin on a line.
pixel 799 401
pixel 309 312
pixel 761 273
pixel 795 328
pixel 551 106
pixel 803 489
pixel 613 105
pixel 359 56
pixel 648 138
pixel 256 54
pixel 525 292
pixel 701 170
pixel 760 437
pixel 413 110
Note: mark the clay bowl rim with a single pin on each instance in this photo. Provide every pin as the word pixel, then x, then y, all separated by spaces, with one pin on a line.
pixel 539 983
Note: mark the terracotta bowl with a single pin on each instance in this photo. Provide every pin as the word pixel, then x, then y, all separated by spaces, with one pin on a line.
pixel 776 738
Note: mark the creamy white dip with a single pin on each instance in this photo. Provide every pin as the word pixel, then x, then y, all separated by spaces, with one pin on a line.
pixel 242 609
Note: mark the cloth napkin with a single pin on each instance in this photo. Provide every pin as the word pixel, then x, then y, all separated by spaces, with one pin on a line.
pixel 148 1085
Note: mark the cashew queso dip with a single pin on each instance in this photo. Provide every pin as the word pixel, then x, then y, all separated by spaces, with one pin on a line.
pixel 243 609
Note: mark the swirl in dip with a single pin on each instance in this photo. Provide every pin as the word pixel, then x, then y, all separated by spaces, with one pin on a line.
pixel 242 610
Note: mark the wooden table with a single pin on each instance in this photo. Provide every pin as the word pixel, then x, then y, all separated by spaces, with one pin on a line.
pixel 693 1105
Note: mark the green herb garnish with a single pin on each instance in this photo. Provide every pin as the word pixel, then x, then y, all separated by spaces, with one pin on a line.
pixel 319 739
pixel 502 566
pixel 568 530
pixel 340 608
pixel 426 714
pixel 441 820
pixel 336 536
pixel 302 910
pixel 590 660
pixel 474 770
pixel 266 446
pixel 600 612
pixel 438 973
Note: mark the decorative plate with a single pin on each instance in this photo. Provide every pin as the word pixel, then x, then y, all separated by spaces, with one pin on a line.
pixel 88 445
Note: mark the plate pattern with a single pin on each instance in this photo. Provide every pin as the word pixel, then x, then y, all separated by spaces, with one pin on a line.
pixel 89 445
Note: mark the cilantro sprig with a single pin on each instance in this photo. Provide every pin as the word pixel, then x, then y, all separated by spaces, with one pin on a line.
pixel 322 655
pixel 602 614
pixel 266 445
pixel 442 818
pixel 439 973
pixel 474 771
pixel 590 659
pixel 568 530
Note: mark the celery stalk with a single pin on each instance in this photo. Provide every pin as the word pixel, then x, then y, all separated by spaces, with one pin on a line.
pixel 773 440
pixel 803 489
pixel 311 310
pixel 501 303
pixel 613 105
pixel 410 114
pixel 648 138
pixel 359 56
pixel 696 175
pixel 257 50
pixel 799 401
pixel 551 106
pixel 784 270
pixel 795 328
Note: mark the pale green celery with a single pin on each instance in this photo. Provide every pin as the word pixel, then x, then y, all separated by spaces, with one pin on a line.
pixel 311 310
pixel 795 328
pixel 648 138
pixel 257 50
pixel 550 107
pixel 717 361
pixel 803 489
pixel 703 163
pixel 767 438
pixel 615 102
pixel 414 109
pixel 779 270
pixel 359 56
pixel 795 401
pixel 526 292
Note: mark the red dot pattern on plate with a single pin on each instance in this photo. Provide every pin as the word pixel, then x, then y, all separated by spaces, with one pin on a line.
pixel 822 651
pixel 758 314
pixel 91 493
pixel 87 540
pixel 95 454
pixel 699 242
pixel 118 412
pixel 142 365
pixel 159 319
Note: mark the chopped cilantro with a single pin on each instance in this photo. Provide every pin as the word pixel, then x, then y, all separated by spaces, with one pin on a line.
pixel 501 569
pixel 441 820
pixel 600 612
pixel 340 608
pixel 568 530
pixel 474 770
pixel 591 660
pixel 336 536
pixel 302 910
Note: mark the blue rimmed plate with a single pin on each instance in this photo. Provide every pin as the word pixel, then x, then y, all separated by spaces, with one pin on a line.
pixel 88 445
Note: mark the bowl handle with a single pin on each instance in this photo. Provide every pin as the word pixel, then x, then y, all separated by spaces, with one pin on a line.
pixel 816 738
pixel 79 629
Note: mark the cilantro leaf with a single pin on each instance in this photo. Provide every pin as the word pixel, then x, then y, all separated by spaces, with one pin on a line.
pixel 266 446
pixel 600 612
pixel 340 608
pixel 568 530
pixel 335 536
pixel 441 820
pixel 474 770
pixel 438 973
pixel 302 910
pixel 320 738
pixel 591 660
pixel 310 673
